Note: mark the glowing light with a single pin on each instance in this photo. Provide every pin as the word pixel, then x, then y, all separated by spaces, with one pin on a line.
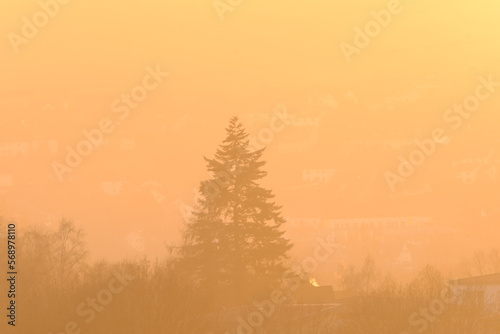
pixel 313 282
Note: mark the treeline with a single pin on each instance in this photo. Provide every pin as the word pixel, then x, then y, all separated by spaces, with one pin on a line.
pixel 429 303
pixel 59 291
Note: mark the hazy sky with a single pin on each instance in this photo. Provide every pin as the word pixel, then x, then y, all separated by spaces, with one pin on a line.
pixel 65 77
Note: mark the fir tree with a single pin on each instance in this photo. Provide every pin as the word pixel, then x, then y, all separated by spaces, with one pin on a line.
pixel 234 244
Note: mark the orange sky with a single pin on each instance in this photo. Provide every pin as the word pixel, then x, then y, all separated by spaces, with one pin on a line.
pixel 65 78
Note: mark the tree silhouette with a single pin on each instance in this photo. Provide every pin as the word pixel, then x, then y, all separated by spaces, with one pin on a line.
pixel 233 244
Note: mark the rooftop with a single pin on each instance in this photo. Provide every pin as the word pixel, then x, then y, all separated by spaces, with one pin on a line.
pixel 492 279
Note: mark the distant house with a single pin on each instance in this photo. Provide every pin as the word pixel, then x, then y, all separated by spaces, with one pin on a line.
pixel 481 291
pixel 308 294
